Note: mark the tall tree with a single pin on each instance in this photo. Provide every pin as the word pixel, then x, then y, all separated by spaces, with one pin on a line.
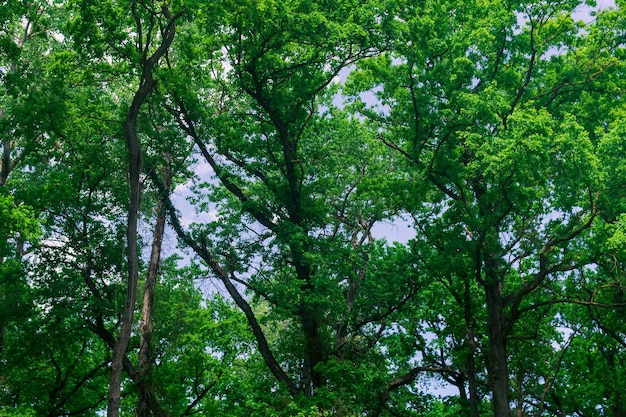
pixel 475 98
pixel 154 29
pixel 26 35
pixel 296 195
pixel 151 48
pixel 494 128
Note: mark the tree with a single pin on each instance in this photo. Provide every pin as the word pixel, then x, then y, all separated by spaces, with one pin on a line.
pixel 18 225
pixel 486 110
pixel 24 35
pixel 289 178
pixel 495 129
pixel 146 85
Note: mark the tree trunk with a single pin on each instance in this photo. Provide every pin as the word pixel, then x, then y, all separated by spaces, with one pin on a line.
pixel 313 351
pixel 1 334
pixel 471 346
pixel 145 345
pixel 471 369
pixel 132 253
pixel 498 369
pixel 5 162
pixel 146 86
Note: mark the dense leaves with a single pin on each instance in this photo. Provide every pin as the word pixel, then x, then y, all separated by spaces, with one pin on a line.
pixel 197 205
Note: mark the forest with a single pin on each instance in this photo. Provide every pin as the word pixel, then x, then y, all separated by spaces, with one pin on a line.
pixel 313 208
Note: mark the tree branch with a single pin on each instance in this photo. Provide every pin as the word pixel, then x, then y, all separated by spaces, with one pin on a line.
pixel 222 274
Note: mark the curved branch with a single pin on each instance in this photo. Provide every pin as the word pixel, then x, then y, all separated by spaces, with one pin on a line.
pixel 201 250
pixel 408 378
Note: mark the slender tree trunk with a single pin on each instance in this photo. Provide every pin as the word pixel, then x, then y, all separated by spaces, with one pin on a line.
pixel 471 365
pixel 8 161
pixel 145 345
pixel 471 346
pixel 1 334
pixel 5 162
pixel 108 338
pixel 342 326
pixel 314 348
pixel 146 86
pixel 132 253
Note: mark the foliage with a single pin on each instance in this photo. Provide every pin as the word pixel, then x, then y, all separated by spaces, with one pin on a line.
pixel 295 133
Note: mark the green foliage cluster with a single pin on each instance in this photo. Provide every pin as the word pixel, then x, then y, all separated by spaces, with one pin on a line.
pixel 297 134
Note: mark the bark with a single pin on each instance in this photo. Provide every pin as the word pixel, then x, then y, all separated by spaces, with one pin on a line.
pixel 498 369
pixel 497 333
pixel 471 345
pixel 99 329
pixel 313 350
pixel 107 337
pixel 145 345
pixel 8 161
pixel 487 260
pixel 5 162
pixel 146 86
pixel 471 377
pixel 119 350
pixel 342 327
pixel 1 336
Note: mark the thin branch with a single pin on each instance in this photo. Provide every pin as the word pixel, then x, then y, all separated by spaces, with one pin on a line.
pixel 223 275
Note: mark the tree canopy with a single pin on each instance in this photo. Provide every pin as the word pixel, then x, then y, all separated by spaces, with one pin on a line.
pixel 196 198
